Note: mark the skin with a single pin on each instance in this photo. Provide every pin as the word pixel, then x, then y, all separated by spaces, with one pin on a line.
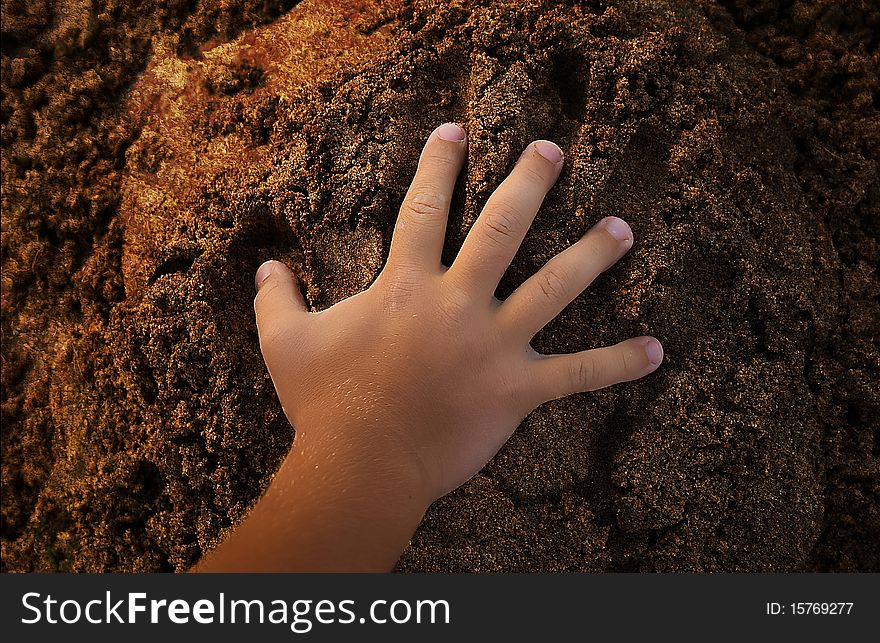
pixel 403 392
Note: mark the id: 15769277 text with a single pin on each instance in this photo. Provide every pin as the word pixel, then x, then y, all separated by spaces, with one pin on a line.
pixel 801 609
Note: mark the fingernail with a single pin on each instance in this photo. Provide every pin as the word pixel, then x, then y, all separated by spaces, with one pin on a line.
pixel 451 132
pixel 618 228
pixel 654 351
pixel 549 150
pixel 263 273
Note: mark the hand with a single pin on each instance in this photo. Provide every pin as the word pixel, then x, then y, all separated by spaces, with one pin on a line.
pixel 426 365
pixel 403 392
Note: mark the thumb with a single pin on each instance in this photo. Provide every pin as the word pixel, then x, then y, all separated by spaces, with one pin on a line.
pixel 278 302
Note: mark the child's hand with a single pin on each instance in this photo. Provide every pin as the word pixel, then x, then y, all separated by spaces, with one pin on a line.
pixel 426 366
pixel 403 392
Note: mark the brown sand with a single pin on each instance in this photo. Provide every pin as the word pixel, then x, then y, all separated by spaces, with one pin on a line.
pixel 153 156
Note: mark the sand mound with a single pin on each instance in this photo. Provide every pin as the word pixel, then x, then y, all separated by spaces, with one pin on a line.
pixel 152 159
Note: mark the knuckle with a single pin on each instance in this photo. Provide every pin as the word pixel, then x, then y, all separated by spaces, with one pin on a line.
pixel 533 174
pixel 625 361
pixel 426 203
pixel 500 224
pixel 598 255
pixel 595 252
pixel 439 163
pixel 452 306
pixel 553 283
pixel 274 332
pixel 584 372
pixel 511 386
pixel 399 292
pixel 265 293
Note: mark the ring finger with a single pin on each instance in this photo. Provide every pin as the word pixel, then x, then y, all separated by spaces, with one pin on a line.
pixel 543 296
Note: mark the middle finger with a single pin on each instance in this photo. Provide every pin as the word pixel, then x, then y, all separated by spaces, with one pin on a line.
pixel 499 230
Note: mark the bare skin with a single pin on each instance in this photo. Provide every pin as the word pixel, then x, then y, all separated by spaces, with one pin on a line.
pixel 403 392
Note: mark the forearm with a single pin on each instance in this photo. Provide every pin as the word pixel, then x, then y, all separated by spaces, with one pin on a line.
pixel 333 506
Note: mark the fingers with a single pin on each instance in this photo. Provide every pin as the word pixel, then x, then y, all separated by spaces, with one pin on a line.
pixel 421 224
pixel 556 376
pixel 498 232
pixel 278 303
pixel 564 277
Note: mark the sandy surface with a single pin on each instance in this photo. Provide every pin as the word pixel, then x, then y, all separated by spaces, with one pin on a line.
pixel 152 158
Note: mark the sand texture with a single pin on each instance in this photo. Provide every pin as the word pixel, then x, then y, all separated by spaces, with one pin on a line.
pixel 155 153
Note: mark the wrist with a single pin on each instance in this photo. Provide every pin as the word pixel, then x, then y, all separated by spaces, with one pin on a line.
pixel 362 456
pixel 363 473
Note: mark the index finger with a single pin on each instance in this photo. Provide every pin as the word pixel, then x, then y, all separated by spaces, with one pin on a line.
pixel 421 225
